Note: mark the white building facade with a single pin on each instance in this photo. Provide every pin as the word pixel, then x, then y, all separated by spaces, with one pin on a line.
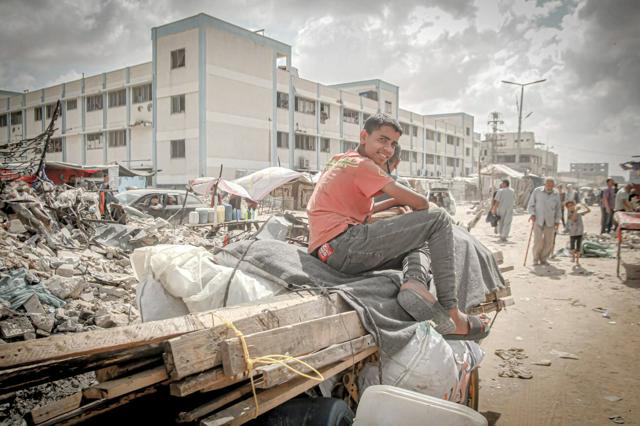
pixel 216 94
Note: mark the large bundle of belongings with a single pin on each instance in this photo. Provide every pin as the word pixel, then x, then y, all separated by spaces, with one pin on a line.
pixel 234 333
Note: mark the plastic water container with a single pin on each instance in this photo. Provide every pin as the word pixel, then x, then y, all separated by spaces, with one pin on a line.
pixel 228 213
pixel 383 405
pixel 211 216
pixel 194 218
pixel 203 214
pixel 220 214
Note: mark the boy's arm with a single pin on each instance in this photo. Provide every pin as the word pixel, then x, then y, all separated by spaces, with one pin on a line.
pixel 385 205
pixel 403 196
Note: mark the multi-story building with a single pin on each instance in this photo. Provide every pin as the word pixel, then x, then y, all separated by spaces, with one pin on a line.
pixel 524 156
pixel 216 94
pixel 590 172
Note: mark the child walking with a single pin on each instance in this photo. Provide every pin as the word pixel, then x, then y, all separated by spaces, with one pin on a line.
pixel 575 227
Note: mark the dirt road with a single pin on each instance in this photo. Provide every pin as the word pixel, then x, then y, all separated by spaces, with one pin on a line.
pixel 555 311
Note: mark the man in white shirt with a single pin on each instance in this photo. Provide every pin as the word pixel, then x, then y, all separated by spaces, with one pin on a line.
pixel 544 208
pixel 503 207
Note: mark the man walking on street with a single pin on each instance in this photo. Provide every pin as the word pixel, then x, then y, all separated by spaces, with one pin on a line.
pixel 544 208
pixel 503 208
pixel 607 203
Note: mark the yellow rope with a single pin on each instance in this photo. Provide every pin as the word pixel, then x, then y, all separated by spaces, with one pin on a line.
pixel 267 360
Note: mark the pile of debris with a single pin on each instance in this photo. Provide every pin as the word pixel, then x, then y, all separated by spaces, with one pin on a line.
pixel 62 268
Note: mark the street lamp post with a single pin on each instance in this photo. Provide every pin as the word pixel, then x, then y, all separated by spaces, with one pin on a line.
pixel 520 111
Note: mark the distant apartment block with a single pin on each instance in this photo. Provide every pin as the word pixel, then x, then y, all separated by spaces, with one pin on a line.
pixel 596 172
pixel 217 94
pixel 523 155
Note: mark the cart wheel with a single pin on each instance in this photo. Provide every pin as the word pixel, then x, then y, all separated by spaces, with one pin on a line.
pixel 473 392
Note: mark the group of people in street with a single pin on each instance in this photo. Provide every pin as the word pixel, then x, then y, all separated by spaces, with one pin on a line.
pixel 614 200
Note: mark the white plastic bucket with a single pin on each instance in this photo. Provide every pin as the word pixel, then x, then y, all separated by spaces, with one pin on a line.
pixel 194 218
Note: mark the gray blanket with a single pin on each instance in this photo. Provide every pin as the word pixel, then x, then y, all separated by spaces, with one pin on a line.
pixel 372 295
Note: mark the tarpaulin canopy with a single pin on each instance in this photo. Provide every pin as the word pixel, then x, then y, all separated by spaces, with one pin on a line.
pixel 255 186
pixel 94 168
pixel 501 169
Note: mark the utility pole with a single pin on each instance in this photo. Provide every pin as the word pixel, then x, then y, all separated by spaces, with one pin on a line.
pixel 520 111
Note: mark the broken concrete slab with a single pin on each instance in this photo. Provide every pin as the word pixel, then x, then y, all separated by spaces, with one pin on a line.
pixel 65 288
pixel 39 317
pixel 15 226
pixel 15 327
pixel 65 270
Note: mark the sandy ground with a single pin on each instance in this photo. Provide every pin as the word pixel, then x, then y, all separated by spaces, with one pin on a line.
pixel 554 311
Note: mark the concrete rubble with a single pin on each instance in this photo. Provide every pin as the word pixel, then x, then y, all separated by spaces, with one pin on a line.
pixel 64 270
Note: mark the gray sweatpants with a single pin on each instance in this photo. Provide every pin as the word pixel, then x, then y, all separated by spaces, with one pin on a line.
pixel 407 241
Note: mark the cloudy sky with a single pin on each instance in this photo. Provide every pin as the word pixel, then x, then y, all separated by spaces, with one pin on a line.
pixel 446 55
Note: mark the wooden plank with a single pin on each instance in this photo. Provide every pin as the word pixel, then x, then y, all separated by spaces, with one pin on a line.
pixel 498 256
pixel 276 374
pixel 96 408
pixel 31 375
pixel 122 386
pixel 268 399
pixel 501 293
pixel 204 382
pixel 53 409
pixel 109 340
pixel 204 409
pixel 504 269
pixel 199 351
pixel 113 372
pixel 491 306
pixel 294 340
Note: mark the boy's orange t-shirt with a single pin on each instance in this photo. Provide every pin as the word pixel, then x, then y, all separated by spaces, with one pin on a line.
pixel 343 196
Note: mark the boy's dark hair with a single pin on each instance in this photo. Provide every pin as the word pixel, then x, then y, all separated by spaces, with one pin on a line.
pixel 378 120
pixel 566 203
pixel 506 182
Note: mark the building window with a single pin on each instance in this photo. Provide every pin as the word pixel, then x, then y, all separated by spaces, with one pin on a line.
pixel 72 104
pixel 450 140
pixel 94 103
pixel 350 116
pixel 325 112
pixel 404 155
pixel 430 159
pixel 16 118
pixel 305 106
pixel 438 137
pixel 467 151
pixel 468 131
pixel 37 114
pixel 177 148
pixel 365 117
pixel 406 129
pixel 177 58
pixel 349 146
pixel 117 138
pixel 506 159
pixel 50 108
pixel 457 141
pixel 177 104
pixel 283 140
pixel 305 142
pixel 55 145
pixel 117 98
pixel 414 130
pixel 429 134
pixel 94 141
pixel 370 94
pixel 3 120
pixel 451 162
pixel 283 100
pixel 325 145
pixel 141 93
pixel 438 162
pixel 387 107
